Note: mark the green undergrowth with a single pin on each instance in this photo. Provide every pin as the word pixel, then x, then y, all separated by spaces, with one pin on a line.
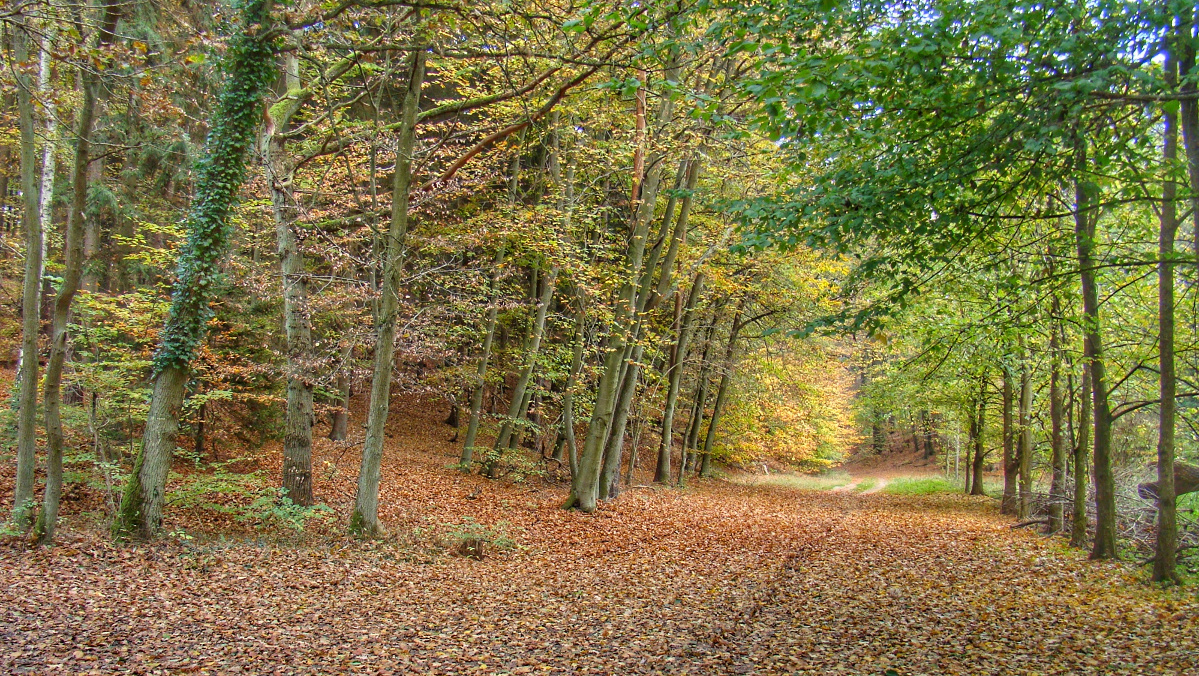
pixel 920 486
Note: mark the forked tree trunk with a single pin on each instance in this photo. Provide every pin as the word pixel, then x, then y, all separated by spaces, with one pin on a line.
pixel 365 518
pixel 72 274
pixel 219 178
pixel 585 484
pixel 23 505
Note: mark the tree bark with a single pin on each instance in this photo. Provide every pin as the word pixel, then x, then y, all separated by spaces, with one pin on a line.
pixel 23 505
pixel 1057 486
pixel 1165 556
pixel 702 383
pixel 722 391
pixel 297 438
pixel 1085 220
pixel 614 446
pixel 980 455
pixel 365 518
pixel 1079 521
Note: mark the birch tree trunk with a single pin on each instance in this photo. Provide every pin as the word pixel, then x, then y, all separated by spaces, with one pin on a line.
pixel 365 519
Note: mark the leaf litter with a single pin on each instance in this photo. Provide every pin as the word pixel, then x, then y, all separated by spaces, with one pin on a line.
pixel 712 579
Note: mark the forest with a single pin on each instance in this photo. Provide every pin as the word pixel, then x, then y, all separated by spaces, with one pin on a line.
pixel 681 336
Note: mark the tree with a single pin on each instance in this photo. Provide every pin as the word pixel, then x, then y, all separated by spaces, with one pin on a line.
pixel 249 69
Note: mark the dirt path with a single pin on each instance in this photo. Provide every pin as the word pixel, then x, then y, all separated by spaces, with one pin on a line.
pixel 713 580
pixel 878 486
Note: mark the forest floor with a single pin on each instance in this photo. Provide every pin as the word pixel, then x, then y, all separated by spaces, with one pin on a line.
pixel 716 578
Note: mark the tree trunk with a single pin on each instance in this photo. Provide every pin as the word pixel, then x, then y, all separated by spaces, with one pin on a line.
pixel 1057 486
pixel 476 399
pixel 614 446
pixel 568 412
pixel 49 163
pixel 980 455
pixel 23 505
pixel 1010 467
pixel 339 425
pixel 516 411
pixel 1085 221
pixel 297 437
pixel 219 178
pixel 1024 459
pixel 722 391
pixel 72 274
pixel 702 383
pixel 365 519
pixel 1079 522
pixel 1188 120
pixel 1165 556
pixel 930 447
pixel 585 484
pixel 675 376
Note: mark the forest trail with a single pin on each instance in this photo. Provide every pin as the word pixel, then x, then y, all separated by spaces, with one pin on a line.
pixel 717 578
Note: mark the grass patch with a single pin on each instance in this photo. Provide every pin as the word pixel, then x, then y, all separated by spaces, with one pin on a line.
pixel 804 482
pixel 920 486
